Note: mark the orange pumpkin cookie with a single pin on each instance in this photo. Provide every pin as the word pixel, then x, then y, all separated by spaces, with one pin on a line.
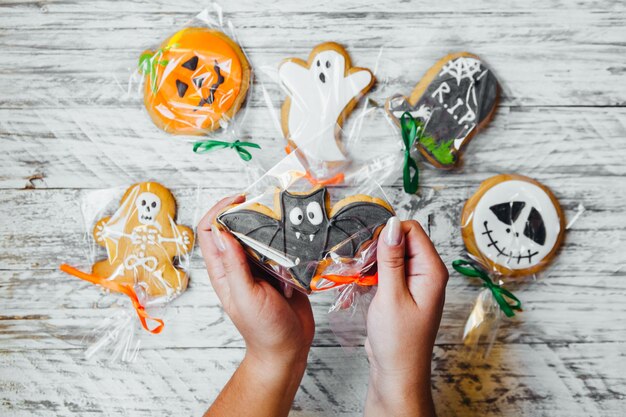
pixel 197 79
pixel 142 241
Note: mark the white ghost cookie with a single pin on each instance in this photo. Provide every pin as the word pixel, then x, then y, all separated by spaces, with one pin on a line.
pixel 513 224
pixel 321 93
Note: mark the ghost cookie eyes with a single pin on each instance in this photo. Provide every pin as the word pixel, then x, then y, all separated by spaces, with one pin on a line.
pixel 513 224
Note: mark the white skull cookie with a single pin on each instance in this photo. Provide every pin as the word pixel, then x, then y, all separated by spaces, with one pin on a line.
pixel 142 240
pixel 513 224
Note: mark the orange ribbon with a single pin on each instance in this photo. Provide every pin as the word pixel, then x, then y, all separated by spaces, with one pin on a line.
pixel 121 288
pixel 337 179
pixel 338 280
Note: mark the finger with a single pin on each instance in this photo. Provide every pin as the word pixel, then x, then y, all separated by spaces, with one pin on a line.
pixel 213 262
pixel 210 253
pixel 301 305
pixel 421 251
pixel 208 219
pixel 427 274
pixel 390 257
pixel 235 263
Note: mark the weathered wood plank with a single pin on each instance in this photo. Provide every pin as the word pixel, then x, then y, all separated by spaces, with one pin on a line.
pixel 323 6
pixel 83 58
pixel 36 242
pixel 63 117
pixel 96 147
pixel 566 380
pixel 49 310
pixel 587 270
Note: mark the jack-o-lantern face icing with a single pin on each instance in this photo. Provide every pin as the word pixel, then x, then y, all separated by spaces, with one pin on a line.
pixel 197 79
pixel 513 224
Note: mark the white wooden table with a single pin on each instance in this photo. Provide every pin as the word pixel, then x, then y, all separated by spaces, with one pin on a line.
pixel 66 129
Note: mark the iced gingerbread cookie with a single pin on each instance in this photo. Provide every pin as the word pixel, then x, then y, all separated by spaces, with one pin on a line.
pixel 302 229
pixel 142 240
pixel 321 94
pixel 455 99
pixel 513 224
pixel 197 79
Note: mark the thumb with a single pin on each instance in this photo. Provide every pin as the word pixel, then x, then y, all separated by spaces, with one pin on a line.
pixel 235 263
pixel 390 256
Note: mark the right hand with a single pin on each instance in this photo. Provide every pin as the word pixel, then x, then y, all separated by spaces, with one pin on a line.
pixel 403 321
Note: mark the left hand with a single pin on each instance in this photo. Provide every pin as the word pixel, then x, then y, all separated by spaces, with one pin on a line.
pixel 278 331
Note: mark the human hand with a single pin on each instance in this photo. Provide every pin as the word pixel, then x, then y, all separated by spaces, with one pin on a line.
pixel 278 331
pixel 403 320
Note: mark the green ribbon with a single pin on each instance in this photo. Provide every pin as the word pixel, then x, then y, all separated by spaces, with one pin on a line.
pixel 148 64
pixel 412 131
pixel 205 146
pixel 500 294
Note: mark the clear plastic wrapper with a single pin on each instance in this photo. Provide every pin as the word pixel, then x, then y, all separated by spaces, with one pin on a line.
pixel 309 236
pixel 319 117
pixel 197 80
pixel 140 248
pixel 513 227
pixel 314 237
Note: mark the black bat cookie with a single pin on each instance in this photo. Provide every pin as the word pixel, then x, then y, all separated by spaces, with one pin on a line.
pixel 302 229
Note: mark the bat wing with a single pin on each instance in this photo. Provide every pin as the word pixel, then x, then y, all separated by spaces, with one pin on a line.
pixel 257 230
pixel 353 225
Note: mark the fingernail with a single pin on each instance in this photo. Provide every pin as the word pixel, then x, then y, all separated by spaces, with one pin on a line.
pixel 287 290
pixel 392 232
pixel 217 238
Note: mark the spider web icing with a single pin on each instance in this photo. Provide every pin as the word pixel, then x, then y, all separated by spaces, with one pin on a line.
pixel 461 68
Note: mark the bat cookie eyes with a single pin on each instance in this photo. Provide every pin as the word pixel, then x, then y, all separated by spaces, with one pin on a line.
pixel 296 216
pixel 314 213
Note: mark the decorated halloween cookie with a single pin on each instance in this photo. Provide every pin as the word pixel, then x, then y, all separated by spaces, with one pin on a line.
pixel 197 79
pixel 142 240
pixel 302 229
pixel 454 100
pixel 321 94
pixel 513 224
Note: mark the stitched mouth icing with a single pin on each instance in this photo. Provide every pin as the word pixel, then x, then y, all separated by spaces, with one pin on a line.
pixel 502 251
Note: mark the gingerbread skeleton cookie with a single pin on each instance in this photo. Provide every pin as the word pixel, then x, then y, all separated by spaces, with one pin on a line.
pixel 513 224
pixel 454 100
pixel 302 229
pixel 142 240
pixel 321 94
pixel 197 80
